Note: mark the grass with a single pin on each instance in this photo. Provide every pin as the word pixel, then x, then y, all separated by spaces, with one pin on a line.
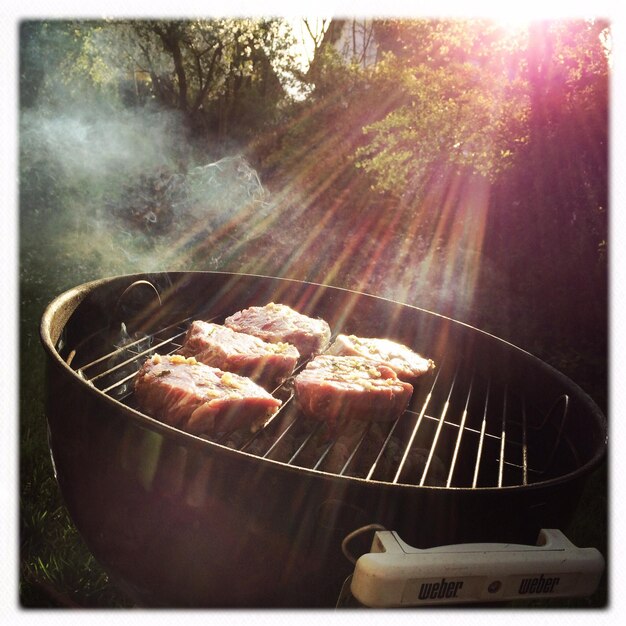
pixel 56 568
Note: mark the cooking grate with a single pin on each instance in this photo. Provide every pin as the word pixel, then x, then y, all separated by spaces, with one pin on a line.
pixel 462 429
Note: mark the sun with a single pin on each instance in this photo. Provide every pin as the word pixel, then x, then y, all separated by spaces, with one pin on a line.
pixel 513 26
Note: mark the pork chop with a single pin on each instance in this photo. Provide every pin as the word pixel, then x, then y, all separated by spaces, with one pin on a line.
pixel 407 364
pixel 198 398
pixel 341 388
pixel 268 364
pixel 280 323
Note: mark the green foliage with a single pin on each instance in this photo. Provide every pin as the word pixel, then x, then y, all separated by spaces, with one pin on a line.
pixel 228 73
pixel 53 66
pixel 227 76
pixel 457 106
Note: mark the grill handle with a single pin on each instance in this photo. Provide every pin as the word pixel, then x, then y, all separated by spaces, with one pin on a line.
pixel 140 296
pixel 395 574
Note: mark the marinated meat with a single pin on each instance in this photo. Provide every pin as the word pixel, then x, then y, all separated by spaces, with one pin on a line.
pixel 280 323
pixel 199 398
pixel 337 389
pixel 407 364
pixel 268 364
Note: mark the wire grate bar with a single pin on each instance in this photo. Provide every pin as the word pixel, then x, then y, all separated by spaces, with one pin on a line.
pixel 134 343
pixel 356 449
pixel 481 439
pixel 444 429
pixel 280 438
pixel 324 454
pixel 431 451
pixel 459 436
pixel 372 469
pixel 502 441
pixel 130 376
pixel 308 438
pixel 418 423
pixel 136 356
pixel 524 445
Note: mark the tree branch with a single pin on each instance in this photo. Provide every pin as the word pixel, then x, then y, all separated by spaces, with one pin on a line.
pixel 170 37
pixel 209 78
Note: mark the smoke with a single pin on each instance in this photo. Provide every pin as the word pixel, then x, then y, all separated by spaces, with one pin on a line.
pixel 110 190
pixel 95 145
pixel 108 186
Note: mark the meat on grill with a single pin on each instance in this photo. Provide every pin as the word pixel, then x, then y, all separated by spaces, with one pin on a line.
pixel 337 389
pixel 407 364
pixel 280 323
pixel 268 364
pixel 198 398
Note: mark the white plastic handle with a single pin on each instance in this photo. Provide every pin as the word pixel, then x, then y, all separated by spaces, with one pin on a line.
pixel 395 574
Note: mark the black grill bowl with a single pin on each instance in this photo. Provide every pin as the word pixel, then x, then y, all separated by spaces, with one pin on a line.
pixel 180 521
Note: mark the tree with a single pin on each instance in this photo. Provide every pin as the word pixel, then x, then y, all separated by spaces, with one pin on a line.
pixel 226 69
pixel 222 75
pixel 489 145
pixel 52 63
pixel 549 225
pixel 459 106
pixel 567 75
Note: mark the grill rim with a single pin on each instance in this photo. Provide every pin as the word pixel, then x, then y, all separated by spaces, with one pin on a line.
pixel 63 305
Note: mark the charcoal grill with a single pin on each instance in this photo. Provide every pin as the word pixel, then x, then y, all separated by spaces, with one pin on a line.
pixel 494 446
